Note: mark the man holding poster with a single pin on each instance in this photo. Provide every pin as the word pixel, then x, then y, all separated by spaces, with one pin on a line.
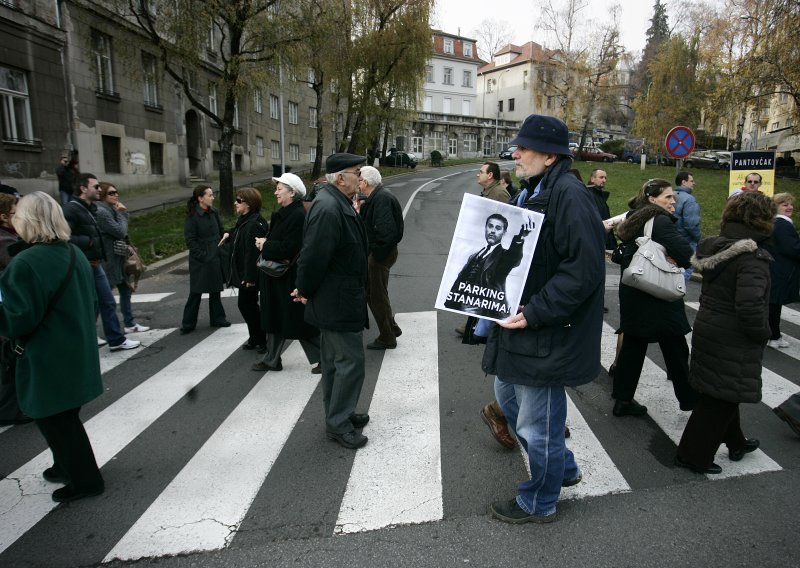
pixel 554 340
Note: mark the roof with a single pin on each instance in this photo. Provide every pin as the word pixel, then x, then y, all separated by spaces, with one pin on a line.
pixel 524 53
pixel 458 47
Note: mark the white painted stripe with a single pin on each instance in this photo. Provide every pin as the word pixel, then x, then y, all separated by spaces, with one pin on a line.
pixel 775 389
pixel 110 359
pixel 204 505
pixel 397 477
pixel 146 298
pixel 25 495
pixel 789 315
pixel 407 208
pixel 226 293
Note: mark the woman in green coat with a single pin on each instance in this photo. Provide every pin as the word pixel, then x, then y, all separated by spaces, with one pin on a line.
pixel 59 370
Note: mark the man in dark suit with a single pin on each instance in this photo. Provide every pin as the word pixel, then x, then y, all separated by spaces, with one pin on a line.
pixel 480 287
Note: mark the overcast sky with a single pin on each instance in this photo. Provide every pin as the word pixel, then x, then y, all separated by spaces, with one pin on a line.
pixel 521 16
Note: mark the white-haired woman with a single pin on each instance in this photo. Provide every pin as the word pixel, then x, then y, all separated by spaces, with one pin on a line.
pixel 59 370
pixel 282 317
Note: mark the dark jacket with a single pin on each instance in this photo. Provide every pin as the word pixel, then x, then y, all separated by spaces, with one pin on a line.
pixel 203 231
pixel 731 327
pixel 332 268
pixel 784 246
pixel 7 238
pixel 244 253
pixel 60 368
pixel 280 314
pixel 383 219
pixel 563 293
pixel 113 226
pixel 82 223
pixel 641 314
pixel 601 202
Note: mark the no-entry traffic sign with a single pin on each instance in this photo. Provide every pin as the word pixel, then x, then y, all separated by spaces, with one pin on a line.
pixel 679 142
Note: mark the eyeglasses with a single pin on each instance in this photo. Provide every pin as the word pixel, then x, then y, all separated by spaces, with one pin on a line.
pixel 239 200
pixel 112 193
pixel 752 181
pixel 355 173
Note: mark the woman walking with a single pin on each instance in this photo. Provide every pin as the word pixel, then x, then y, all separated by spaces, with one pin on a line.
pixel 112 220
pixel 48 307
pixel 203 233
pixel 784 246
pixel 644 318
pixel 730 332
pixel 282 317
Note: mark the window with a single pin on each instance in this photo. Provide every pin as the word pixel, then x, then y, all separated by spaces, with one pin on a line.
pixel 550 103
pixel 156 158
pixel 448 45
pixel 294 152
pixel 489 85
pixel 16 106
pixel 467 79
pixel 101 46
pixel 776 125
pixel 257 101
pixel 259 146
pixel 416 144
pixel 276 150
pixel 436 141
pixel 312 117
pixel 312 154
pixel 429 73
pixel 427 104
pixel 448 76
pixel 211 39
pixel 510 105
pixel 150 76
pixel 292 112
pixel 312 77
pixel 524 80
pixel 111 155
pixel 452 146
pixel 466 107
pixel 470 142
pixel 273 106
pixel 212 98
pixel 467 50
pixel 499 106
pixel 236 114
pixel 487 146
pixel 446 104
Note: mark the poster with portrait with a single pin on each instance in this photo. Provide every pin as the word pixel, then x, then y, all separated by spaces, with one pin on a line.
pixel 756 165
pixel 489 258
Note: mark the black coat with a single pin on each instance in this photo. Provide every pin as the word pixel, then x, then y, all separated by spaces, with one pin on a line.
pixel 601 201
pixel 80 216
pixel 244 253
pixel 332 268
pixel 641 314
pixel 784 246
pixel 280 314
pixel 203 231
pixel 383 219
pixel 731 328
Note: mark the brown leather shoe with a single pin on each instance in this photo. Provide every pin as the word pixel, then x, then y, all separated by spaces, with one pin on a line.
pixel 497 426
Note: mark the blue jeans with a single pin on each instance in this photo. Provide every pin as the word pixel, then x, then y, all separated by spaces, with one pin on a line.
pixel 687 274
pixel 483 327
pixel 125 304
pixel 538 416
pixel 108 308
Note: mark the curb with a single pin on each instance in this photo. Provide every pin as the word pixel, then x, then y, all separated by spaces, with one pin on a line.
pixel 165 264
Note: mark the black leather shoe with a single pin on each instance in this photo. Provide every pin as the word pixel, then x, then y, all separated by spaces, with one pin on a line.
pixel 224 323
pixel 629 408
pixel 52 475
pixel 359 420
pixel 22 419
pixel 71 493
pixel 185 330
pixel 263 367
pixel 378 344
pixel 511 512
pixel 571 482
pixel 247 346
pixel 350 440
pixel 316 369
pixel 713 469
pixel 750 445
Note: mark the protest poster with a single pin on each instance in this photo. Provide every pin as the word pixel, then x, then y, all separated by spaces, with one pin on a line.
pixel 743 164
pixel 489 258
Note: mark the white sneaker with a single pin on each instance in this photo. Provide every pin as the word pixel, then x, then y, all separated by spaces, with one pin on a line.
pixel 127 344
pixel 101 341
pixel 779 343
pixel 136 328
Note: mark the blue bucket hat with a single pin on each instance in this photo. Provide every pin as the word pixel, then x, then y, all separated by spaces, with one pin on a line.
pixel 546 134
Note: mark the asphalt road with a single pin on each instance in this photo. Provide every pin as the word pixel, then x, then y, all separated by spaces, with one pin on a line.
pixel 190 438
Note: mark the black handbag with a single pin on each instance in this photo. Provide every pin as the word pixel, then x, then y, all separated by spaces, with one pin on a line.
pixel 274 268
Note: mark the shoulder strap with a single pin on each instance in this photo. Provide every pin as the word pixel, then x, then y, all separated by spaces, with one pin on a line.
pixel 648 227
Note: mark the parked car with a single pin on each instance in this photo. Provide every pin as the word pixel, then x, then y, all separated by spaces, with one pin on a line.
pixel 724 159
pixel 701 159
pixel 506 154
pixel 593 155
pixel 397 159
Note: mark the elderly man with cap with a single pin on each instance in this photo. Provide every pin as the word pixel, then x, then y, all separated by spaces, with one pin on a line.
pixel 383 218
pixel 331 281
pixel 554 340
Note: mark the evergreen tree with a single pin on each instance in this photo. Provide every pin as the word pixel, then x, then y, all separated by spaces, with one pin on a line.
pixel 657 34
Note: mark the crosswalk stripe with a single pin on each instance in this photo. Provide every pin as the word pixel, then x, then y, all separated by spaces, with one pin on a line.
pixel 404 436
pixel 204 505
pixel 146 298
pixel 789 315
pixel 775 389
pixel 25 496
pixel 111 359
pixel 226 293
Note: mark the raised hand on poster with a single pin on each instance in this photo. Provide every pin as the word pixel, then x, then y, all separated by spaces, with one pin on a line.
pixel 526 229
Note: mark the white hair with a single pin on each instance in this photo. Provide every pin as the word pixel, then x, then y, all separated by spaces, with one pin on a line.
pixel 371 175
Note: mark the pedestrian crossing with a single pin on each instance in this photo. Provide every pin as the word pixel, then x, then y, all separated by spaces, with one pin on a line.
pixel 396 479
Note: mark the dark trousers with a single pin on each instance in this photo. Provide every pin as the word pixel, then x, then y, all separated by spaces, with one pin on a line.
pixel 774 319
pixel 631 360
pixel 275 345
pixel 9 406
pixel 216 311
pixel 248 307
pixel 342 362
pixel 72 452
pixel 712 422
pixel 378 296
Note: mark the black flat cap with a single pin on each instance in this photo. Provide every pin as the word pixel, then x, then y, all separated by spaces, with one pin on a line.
pixel 342 161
